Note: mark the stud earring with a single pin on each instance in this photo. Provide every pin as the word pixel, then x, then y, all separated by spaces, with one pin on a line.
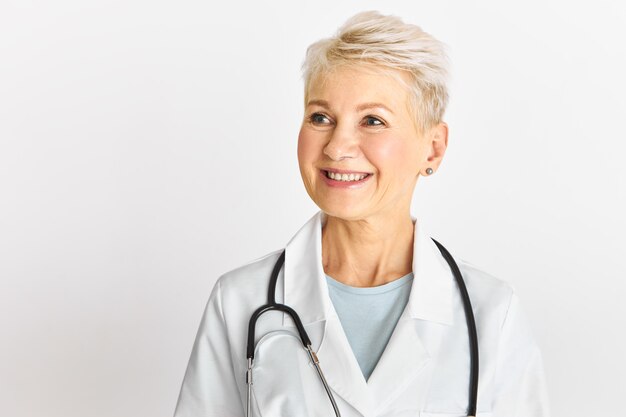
pixel 429 171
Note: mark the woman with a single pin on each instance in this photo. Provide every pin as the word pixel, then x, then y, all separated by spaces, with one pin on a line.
pixel 373 292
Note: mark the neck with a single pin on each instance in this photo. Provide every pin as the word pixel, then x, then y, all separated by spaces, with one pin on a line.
pixel 368 252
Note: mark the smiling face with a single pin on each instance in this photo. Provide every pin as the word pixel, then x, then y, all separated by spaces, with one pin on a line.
pixel 358 122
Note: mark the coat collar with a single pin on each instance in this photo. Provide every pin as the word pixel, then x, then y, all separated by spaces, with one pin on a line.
pixel 306 290
pixel 413 343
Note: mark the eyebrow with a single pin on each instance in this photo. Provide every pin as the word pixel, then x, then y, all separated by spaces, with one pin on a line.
pixel 360 107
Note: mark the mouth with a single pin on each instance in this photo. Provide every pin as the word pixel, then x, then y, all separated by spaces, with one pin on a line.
pixel 345 177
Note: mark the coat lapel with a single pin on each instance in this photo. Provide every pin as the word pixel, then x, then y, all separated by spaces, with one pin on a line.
pixel 341 368
pixel 306 291
pixel 415 337
pixel 405 361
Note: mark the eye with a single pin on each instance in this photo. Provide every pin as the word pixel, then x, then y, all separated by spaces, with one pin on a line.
pixel 373 121
pixel 318 119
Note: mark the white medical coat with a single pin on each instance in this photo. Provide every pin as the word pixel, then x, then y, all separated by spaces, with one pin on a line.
pixel 424 369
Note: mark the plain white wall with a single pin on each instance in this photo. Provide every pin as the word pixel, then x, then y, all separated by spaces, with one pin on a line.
pixel 146 147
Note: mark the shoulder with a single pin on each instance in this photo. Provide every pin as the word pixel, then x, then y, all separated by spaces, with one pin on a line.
pixel 244 288
pixel 482 280
pixel 490 296
pixel 235 296
pixel 251 274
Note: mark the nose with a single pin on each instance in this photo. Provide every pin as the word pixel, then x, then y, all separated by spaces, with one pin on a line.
pixel 343 143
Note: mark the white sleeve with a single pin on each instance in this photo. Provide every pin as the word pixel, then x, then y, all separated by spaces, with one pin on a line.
pixel 209 388
pixel 520 386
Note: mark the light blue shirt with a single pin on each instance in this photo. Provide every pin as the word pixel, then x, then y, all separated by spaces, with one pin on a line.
pixel 368 316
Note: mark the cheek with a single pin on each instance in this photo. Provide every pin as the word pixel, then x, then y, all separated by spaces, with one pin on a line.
pixel 387 153
pixel 308 150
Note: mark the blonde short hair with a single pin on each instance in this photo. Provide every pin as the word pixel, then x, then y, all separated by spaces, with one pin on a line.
pixel 381 43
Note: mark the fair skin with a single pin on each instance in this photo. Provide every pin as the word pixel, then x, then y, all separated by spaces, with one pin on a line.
pixel 360 121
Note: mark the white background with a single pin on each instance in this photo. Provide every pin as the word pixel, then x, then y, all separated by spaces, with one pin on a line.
pixel 147 147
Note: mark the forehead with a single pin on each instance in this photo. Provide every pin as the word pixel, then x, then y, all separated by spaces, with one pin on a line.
pixel 358 84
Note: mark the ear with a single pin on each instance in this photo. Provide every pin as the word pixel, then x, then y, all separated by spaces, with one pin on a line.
pixel 436 144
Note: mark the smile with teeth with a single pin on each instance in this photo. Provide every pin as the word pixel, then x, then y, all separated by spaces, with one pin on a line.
pixel 345 177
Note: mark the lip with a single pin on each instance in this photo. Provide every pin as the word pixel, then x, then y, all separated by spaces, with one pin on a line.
pixel 344 171
pixel 344 184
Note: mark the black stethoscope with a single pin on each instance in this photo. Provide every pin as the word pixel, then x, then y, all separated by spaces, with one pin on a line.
pixel 306 342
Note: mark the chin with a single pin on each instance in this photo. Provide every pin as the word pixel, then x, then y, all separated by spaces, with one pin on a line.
pixel 341 211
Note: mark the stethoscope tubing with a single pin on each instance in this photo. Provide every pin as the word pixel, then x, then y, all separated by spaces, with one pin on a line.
pixel 471 328
pixel 306 342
